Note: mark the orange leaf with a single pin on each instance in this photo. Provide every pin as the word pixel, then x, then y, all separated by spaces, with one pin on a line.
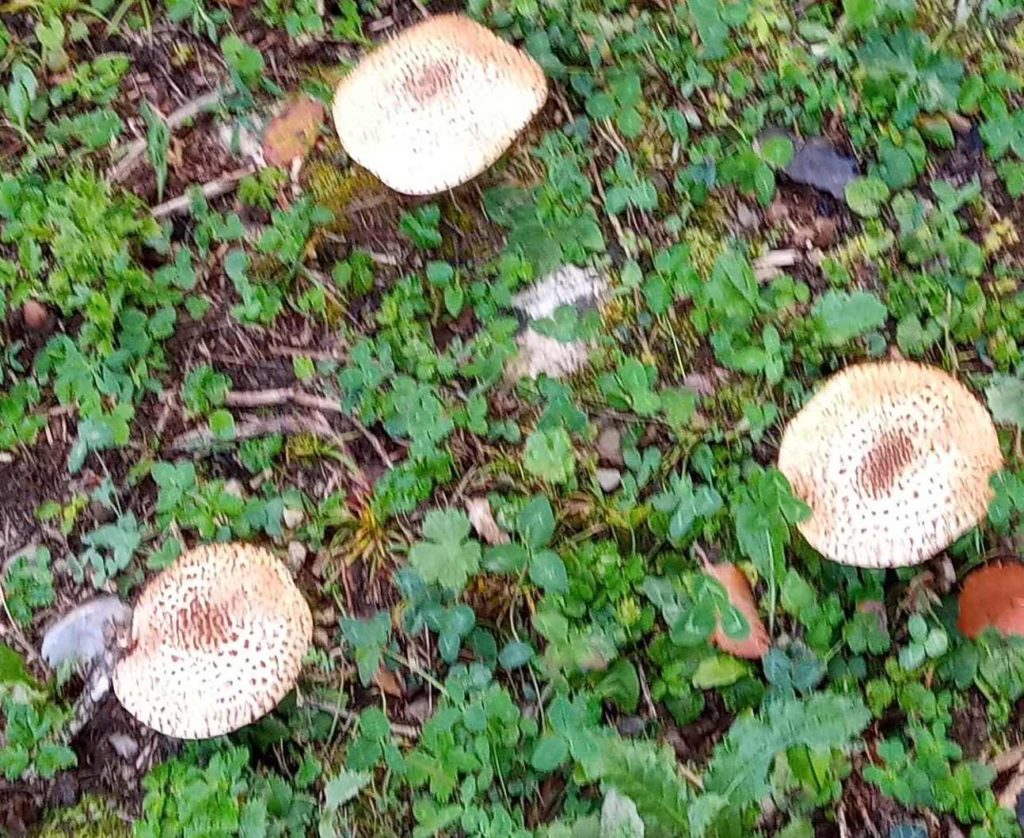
pixel 292 133
pixel 993 596
pixel 757 642
pixel 387 682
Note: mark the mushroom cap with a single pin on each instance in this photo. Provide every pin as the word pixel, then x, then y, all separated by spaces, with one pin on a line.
pixel 437 105
pixel 993 596
pixel 217 641
pixel 894 460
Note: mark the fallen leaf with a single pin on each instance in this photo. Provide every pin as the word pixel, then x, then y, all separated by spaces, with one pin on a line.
pixel 387 682
pixel 757 642
pixel 292 133
pixel 482 519
pixel 993 597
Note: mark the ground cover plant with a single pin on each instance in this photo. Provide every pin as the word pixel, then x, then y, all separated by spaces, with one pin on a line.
pixel 567 603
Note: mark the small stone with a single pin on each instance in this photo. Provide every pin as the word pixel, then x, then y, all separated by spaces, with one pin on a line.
pixel 631 725
pixel 101 513
pixel 234 488
pixel 609 446
pixel 778 211
pixel 746 216
pixel 321 638
pixel 35 315
pixel 292 517
pixel 816 163
pixel 296 556
pixel 126 747
pixel 609 479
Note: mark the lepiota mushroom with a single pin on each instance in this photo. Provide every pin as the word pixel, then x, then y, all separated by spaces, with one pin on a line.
pixel 894 460
pixel 217 640
pixel 437 105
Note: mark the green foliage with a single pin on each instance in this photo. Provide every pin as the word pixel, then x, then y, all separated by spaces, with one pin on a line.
pixel 28 585
pixel 219 796
pixel 739 770
pixel 447 556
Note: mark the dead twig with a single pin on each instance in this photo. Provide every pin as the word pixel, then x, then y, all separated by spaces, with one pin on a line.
pixel 290 395
pixel 214 189
pixel 203 438
pixel 133 151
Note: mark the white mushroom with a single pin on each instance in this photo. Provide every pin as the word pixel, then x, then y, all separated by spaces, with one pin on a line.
pixel 894 460
pixel 437 105
pixel 217 641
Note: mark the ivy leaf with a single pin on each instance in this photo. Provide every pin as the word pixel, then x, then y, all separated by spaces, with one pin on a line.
pixel 547 570
pixel 549 455
pixel 840 316
pixel 536 522
pixel 1005 397
pixel 865 195
pixel 448 556
pixel 549 753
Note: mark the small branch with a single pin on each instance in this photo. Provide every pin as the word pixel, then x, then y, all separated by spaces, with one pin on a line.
pixel 290 395
pixel 203 438
pixel 214 189
pixel 134 150
pixel 282 395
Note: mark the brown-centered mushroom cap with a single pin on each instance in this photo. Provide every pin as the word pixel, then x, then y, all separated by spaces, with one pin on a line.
pixel 894 460
pixel 217 641
pixel 437 105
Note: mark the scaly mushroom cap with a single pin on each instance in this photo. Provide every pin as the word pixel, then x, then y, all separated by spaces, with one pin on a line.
pixel 217 641
pixel 894 460
pixel 437 105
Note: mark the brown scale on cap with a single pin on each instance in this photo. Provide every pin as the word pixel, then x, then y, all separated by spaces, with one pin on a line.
pixel 894 460
pixel 885 462
pixel 437 105
pixel 217 640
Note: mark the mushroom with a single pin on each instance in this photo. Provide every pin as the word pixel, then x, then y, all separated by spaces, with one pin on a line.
pixel 894 460
pixel 217 640
pixel 993 597
pixel 437 105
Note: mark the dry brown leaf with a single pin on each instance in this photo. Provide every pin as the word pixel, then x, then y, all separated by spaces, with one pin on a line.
pixel 993 596
pixel 293 132
pixel 757 643
pixel 482 519
pixel 387 682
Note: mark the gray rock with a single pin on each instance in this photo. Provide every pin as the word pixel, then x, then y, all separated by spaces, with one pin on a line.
pixel 816 163
pixel 609 479
pixel 126 747
pixel 581 288
pixel 80 635
pixel 609 446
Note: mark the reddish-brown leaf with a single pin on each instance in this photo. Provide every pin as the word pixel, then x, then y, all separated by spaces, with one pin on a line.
pixel 387 682
pixel 292 133
pixel 993 596
pixel 757 643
